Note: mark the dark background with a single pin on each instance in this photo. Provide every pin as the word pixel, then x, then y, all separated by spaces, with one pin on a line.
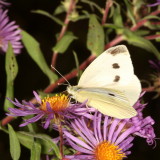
pixel 31 78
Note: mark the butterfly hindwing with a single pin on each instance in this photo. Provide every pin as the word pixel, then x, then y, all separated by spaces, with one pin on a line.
pixel 131 90
pixel 108 101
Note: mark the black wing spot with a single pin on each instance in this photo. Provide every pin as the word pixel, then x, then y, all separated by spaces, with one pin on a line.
pixel 117 50
pixel 116 79
pixel 111 94
pixel 115 65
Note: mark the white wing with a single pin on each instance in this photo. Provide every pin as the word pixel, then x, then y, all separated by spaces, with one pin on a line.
pixel 103 70
pixel 113 69
pixel 108 101
pixel 132 89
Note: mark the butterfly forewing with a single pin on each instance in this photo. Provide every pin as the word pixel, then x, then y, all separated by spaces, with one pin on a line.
pixel 111 67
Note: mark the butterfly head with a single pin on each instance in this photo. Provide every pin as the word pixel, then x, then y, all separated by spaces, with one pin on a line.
pixel 72 89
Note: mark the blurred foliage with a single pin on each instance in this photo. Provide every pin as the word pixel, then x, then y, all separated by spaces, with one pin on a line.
pixel 126 21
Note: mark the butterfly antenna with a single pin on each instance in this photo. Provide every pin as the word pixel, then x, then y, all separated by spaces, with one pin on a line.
pixel 63 84
pixel 60 74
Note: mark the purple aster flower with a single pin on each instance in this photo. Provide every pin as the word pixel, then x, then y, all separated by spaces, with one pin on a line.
pixel 102 138
pixel 155 4
pixel 9 32
pixel 3 3
pixel 145 123
pixel 51 109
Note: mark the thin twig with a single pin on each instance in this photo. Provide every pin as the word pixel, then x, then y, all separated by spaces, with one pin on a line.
pixel 107 7
pixel 149 89
pixel 54 59
pixel 63 30
pixel 151 37
pixel 6 120
pixel 61 139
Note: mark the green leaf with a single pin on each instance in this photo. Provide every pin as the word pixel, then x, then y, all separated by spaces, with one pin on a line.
pixel 60 9
pixel 95 36
pixel 15 148
pixel 11 67
pixel 130 11
pixel 142 32
pixel 46 142
pixel 149 25
pixel 77 64
pixel 84 15
pixel 69 151
pixel 64 43
pixel 49 140
pixel 49 16
pixel 35 52
pixel 78 17
pixel 138 5
pixel 158 38
pixel 113 26
pixel 111 12
pixel 152 17
pixel 141 42
pixel 36 151
pixel 25 140
pixel 117 17
pixel 11 63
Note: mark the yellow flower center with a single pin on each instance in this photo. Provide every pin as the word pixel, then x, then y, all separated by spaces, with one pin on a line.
pixel 57 102
pixel 108 151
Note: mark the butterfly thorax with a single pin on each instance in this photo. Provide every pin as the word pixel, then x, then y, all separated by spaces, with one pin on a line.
pixel 72 89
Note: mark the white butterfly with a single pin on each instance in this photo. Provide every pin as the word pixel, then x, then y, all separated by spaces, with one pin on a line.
pixel 109 84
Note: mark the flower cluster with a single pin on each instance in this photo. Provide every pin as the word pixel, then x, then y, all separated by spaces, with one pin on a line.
pixel 108 138
pixel 9 31
pixel 93 135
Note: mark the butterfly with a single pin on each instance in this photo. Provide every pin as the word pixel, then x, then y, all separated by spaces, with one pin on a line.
pixel 109 84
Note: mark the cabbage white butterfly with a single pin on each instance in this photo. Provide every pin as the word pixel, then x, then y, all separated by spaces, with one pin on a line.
pixel 109 84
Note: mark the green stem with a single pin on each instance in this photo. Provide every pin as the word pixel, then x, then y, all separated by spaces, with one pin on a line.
pixel 61 139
